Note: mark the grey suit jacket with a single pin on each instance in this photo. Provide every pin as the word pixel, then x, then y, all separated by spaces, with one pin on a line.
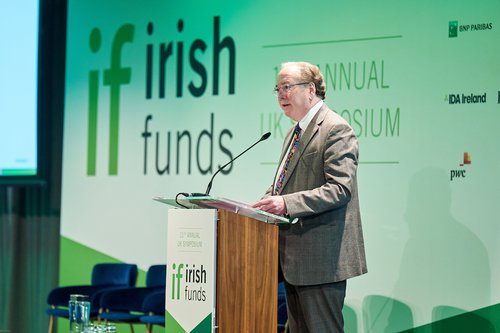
pixel 320 188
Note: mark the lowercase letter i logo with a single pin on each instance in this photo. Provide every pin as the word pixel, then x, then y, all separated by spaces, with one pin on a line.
pixel 114 77
pixel 453 29
pixel 95 45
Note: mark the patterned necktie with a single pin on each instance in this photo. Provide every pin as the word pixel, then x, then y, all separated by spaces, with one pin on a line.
pixel 295 143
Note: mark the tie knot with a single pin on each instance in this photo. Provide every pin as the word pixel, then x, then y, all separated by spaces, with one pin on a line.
pixel 297 130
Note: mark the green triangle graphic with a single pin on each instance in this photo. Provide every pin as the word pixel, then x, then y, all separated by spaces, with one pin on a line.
pixel 204 326
pixel 172 326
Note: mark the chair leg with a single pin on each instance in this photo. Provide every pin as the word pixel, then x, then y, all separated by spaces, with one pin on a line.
pixel 51 323
pixel 131 328
pixel 99 316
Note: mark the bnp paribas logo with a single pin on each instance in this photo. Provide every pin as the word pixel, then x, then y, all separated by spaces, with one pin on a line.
pixel 452 29
pixel 113 77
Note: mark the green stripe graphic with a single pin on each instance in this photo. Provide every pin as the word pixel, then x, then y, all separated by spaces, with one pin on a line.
pixel 485 320
pixel 18 172
pixel 351 40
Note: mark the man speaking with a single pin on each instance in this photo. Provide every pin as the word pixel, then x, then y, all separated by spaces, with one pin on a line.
pixel 315 182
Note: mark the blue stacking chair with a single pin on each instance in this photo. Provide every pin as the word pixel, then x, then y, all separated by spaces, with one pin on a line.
pixel 105 276
pixel 282 312
pixel 126 305
pixel 154 309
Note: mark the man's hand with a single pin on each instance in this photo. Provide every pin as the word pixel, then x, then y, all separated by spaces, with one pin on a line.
pixel 274 204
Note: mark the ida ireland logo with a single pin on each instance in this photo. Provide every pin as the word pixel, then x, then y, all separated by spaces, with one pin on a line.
pixel 114 77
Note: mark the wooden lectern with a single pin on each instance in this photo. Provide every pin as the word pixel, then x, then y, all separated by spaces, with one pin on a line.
pixel 246 278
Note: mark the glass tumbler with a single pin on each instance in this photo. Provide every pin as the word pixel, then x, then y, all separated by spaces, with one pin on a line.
pixel 79 313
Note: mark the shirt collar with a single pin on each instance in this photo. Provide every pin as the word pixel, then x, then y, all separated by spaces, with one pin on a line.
pixel 310 115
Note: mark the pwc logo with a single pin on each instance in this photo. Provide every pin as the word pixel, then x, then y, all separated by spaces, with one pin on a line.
pixel 461 173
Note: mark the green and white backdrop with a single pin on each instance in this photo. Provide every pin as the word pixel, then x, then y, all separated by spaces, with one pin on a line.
pixel 159 95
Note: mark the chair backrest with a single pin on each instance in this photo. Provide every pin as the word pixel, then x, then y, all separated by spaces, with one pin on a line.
pixel 154 302
pixel 281 289
pixel 156 276
pixel 114 274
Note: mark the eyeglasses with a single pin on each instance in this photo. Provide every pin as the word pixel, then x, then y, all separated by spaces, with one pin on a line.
pixel 286 87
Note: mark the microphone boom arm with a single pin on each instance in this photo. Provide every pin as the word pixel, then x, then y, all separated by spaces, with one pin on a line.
pixel 209 187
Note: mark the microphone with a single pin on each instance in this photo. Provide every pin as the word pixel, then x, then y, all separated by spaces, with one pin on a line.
pixel 264 137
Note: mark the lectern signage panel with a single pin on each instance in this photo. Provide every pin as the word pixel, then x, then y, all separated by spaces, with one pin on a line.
pixel 190 285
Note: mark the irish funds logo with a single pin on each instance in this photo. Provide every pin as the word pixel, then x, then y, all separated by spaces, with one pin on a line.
pixel 171 144
pixel 113 77
pixel 189 283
